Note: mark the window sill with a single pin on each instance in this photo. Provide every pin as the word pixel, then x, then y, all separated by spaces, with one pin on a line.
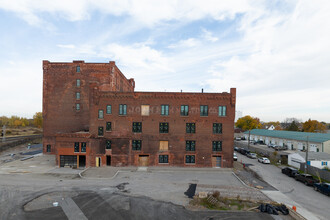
pixel 163 163
pixel 189 164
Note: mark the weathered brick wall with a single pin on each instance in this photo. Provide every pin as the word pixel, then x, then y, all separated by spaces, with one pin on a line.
pixel 59 94
pixel 177 136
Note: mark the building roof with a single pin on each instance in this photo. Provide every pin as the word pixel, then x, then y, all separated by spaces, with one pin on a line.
pixel 315 155
pixel 293 135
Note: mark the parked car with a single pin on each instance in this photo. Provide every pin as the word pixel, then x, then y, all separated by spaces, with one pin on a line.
pixel 238 139
pixel 323 188
pixel 235 157
pixel 272 146
pixel 289 171
pixel 244 151
pixel 236 148
pixel 264 160
pixel 252 155
pixel 307 179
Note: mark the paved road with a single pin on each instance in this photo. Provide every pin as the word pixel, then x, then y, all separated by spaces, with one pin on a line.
pixel 309 199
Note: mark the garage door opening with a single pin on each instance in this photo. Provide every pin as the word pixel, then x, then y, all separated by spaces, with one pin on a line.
pixel 68 161
pixel 108 160
pixel 82 161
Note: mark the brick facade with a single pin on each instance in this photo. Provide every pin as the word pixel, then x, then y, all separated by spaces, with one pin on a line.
pixel 106 96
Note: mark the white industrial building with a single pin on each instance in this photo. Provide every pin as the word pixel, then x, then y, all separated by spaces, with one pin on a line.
pixel 315 159
pixel 293 140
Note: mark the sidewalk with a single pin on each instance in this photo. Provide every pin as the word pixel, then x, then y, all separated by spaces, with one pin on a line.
pixel 279 197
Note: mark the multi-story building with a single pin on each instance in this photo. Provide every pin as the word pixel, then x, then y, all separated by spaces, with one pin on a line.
pixel 93 117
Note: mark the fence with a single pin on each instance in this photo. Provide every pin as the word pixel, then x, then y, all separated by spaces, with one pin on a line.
pixel 324 174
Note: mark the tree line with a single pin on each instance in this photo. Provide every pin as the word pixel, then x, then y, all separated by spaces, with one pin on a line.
pixel 289 124
pixel 17 122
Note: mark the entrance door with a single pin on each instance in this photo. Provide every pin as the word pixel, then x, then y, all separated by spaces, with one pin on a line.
pixel 108 160
pixel 98 161
pixel 82 160
pixel 216 161
pixel 143 160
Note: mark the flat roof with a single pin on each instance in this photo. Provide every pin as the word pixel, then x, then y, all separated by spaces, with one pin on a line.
pixel 293 135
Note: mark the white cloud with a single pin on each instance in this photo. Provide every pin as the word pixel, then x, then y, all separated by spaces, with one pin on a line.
pixel 287 53
pixel 146 12
pixel 66 46
pixel 190 42
pixel 207 35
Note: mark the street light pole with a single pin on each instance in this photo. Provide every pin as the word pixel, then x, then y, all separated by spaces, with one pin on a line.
pixel 306 159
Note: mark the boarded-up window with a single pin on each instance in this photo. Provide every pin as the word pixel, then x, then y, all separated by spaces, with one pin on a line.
pixel 145 110
pixel 163 145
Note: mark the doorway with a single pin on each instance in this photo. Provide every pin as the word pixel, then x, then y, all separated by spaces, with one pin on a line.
pixel 143 160
pixel 216 161
pixel 98 161
pixel 108 160
pixel 82 160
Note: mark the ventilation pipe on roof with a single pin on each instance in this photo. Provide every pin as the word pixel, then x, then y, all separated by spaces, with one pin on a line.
pixel 202 90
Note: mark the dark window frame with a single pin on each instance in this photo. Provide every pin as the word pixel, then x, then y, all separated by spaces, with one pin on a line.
pixel 48 148
pixel 108 144
pixel 190 159
pixel 217 128
pixel 100 114
pixel 78 69
pixel 100 131
pixel 122 109
pixel 108 109
pixel 164 110
pixel 163 159
pixel 164 127
pixel 190 145
pixel 83 147
pixel 204 110
pixel 222 111
pixel 190 128
pixel 76 147
pixel 217 146
pixel 137 127
pixel 136 145
pixel 184 110
pixel 108 126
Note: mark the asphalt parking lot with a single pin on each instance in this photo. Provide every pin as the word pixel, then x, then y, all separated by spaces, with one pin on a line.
pixel 25 181
pixel 91 205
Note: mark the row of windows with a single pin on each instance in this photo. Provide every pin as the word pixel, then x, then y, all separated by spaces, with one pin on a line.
pixel 189 159
pixel 184 111
pixel 163 128
pixel 79 147
pixel 163 145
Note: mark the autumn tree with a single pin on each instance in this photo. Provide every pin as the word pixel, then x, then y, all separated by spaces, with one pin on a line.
pixel 37 119
pixel 247 123
pixel 314 126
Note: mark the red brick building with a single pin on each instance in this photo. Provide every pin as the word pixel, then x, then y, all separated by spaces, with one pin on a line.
pixel 93 117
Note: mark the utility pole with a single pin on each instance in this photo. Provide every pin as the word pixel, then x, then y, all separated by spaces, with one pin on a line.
pixel 249 140
pixel 306 159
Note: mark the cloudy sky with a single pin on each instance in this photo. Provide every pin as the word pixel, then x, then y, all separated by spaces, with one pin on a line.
pixel 276 53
